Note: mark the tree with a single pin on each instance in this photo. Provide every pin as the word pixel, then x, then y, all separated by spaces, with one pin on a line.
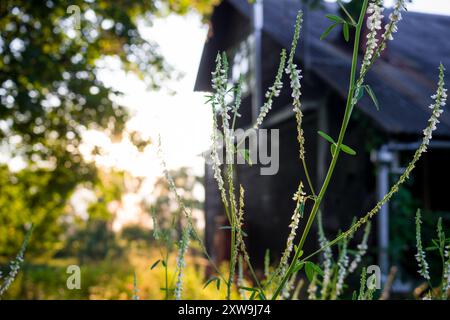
pixel 50 94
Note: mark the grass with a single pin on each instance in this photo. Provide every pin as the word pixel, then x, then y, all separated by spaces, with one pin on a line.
pixel 113 278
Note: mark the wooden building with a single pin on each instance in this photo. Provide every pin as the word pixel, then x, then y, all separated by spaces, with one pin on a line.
pixel 403 82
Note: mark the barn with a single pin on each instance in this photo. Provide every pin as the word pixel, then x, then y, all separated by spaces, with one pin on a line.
pixel 385 139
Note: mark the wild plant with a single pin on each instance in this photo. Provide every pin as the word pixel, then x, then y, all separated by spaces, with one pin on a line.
pixel 165 237
pixel 15 265
pixel 329 282
pixel 330 278
pixel 442 245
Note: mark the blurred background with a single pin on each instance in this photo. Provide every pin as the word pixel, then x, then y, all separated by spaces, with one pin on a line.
pixel 87 87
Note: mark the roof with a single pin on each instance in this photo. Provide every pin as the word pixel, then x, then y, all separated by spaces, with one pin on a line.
pixel 403 85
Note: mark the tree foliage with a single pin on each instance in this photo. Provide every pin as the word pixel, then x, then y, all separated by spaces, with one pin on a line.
pixel 50 94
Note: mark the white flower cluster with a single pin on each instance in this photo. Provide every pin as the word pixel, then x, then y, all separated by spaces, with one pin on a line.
pixel 437 109
pixel 274 91
pixel 216 162
pixel 219 81
pixel 327 258
pixel 420 255
pixel 295 75
pixel 14 270
pixel 447 269
pixel 14 266
pixel 423 264
pixel 181 264
pixel 394 18
pixel 312 289
pixel 374 20
pixel 299 196
pixel 362 249
pixel 219 84
pixel 342 270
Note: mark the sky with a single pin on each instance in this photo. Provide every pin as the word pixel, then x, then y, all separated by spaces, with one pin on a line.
pixel 182 119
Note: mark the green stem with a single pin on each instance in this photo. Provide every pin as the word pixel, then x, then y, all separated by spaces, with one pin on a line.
pixel 347 114
pixel 166 262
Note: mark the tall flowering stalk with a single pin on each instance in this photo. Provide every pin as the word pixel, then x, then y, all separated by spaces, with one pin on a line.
pixel 240 244
pixel 394 18
pixel 436 110
pixel 272 92
pixel 181 263
pixel 186 212
pixel 355 85
pixel 216 161
pixel 300 199
pixel 342 266
pixel 373 48
pixel 327 258
pixel 318 199
pixel 362 249
pixel 362 288
pixel 312 288
pixel 295 76
pixel 228 115
pixel 374 20
pixel 446 273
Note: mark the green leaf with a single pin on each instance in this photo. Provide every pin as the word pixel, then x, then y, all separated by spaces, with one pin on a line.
pixel 245 153
pixel 155 264
pixel 346 31
pixel 335 18
pixel 311 269
pixel 347 13
pixel 372 96
pixel 218 284
pixel 328 30
pixel 164 263
pixel 348 150
pixel 326 137
pixel 212 279
pixel 298 267
pixel 261 295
